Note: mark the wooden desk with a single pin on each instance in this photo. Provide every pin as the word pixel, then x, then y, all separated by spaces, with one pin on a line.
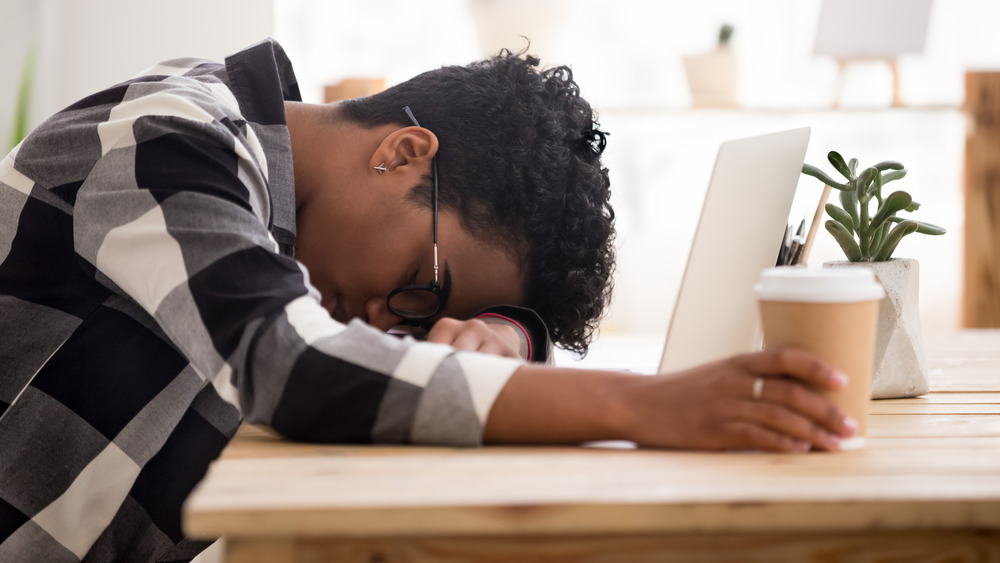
pixel 926 488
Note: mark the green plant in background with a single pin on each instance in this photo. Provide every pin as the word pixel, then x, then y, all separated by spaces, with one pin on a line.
pixel 20 128
pixel 867 237
pixel 725 34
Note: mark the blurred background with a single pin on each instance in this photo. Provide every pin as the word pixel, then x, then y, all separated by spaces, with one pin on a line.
pixel 900 97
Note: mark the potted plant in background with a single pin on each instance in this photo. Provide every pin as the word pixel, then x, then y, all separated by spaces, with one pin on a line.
pixel 869 236
pixel 712 76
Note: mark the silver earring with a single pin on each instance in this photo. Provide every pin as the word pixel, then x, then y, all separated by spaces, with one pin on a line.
pixel 381 168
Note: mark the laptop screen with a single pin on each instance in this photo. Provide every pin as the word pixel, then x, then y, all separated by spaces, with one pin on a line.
pixel 739 233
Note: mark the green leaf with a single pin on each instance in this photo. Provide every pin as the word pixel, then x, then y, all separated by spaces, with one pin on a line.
pixel 851 249
pixel 888 165
pixel 838 162
pixel 929 229
pixel 864 182
pixel 912 207
pixel 865 241
pixel 892 240
pixel 892 176
pixel 811 170
pixel 853 167
pixel 880 235
pixel 840 216
pixel 864 232
pixel 876 187
pixel 922 228
pixel 896 202
pixel 866 174
pixel 849 201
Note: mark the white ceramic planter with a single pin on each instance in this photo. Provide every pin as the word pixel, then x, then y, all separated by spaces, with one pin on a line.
pixel 712 79
pixel 900 368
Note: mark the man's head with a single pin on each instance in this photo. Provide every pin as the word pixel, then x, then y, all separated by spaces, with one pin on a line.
pixel 519 161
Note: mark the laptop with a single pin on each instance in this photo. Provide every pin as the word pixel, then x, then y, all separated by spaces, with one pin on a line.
pixel 739 233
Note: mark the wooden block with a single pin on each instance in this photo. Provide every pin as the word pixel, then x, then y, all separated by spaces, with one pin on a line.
pixel 981 296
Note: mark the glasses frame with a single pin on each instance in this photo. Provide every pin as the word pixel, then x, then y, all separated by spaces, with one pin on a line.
pixel 434 286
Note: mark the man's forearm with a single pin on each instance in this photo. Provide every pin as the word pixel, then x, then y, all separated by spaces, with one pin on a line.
pixel 713 406
pixel 550 405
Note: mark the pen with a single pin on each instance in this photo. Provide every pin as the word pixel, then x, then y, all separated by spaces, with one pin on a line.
pixel 783 249
pixel 797 242
pixel 795 253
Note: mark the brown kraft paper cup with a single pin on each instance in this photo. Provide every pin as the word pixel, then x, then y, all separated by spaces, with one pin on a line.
pixel 836 319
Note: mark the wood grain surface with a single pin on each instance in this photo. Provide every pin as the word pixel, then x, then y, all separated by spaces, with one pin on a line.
pixel 856 547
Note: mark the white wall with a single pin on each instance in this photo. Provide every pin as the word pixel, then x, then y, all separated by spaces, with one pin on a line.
pixel 84 46
pixel 627 57
pixel 627 54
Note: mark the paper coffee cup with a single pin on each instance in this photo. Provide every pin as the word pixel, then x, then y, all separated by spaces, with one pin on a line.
pixel 832 313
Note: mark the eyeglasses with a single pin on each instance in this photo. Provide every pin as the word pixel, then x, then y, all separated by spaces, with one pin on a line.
pixel 420 301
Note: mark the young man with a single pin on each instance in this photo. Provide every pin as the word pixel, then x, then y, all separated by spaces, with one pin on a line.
pixel 182 251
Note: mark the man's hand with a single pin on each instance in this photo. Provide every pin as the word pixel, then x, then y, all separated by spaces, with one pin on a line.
pixel 710 407
pixel 713 406
pixel 477 336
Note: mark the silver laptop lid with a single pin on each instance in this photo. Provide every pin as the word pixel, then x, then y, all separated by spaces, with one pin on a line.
pixel 739 232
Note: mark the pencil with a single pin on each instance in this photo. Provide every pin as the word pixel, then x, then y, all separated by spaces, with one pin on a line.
pixel 817 217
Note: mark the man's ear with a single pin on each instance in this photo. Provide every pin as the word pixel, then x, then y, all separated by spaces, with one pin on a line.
pixel 406 151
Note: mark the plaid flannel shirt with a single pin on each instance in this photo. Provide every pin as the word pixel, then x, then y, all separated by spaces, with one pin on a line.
pixel 149 302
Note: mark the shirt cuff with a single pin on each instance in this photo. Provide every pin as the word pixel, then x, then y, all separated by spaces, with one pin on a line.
pixel 535 345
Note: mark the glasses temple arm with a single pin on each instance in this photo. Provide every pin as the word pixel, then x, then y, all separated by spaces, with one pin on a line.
pixel 434 167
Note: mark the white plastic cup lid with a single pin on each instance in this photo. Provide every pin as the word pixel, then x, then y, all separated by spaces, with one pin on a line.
pixel 828 285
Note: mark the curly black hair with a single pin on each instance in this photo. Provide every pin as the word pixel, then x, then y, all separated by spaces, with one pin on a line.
pixel 519 159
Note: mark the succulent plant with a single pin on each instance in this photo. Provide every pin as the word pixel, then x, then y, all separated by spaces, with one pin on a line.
pixel 864 236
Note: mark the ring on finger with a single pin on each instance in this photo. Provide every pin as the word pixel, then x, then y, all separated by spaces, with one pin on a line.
pixel 758 388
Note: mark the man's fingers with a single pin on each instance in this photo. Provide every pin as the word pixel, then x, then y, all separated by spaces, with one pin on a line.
pixel 497 349
pixel 444 331
pixel 798 364
pixel 743 435
pixel 791 424
pixel 473 335
pixel 809 403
